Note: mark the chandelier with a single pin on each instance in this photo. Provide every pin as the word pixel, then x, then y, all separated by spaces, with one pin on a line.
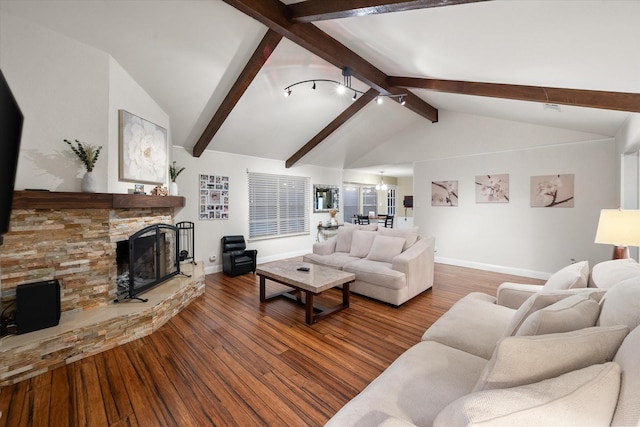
pixel 345 86
pixel 381 185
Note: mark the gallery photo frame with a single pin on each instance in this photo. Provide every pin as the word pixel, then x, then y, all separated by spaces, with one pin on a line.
pixel 143 150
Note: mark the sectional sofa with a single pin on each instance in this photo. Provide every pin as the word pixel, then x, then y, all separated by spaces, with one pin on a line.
pixel 390 265
pixel 566 356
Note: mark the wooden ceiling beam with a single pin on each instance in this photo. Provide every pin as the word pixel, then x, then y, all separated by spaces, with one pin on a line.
pixel 274 14
pixel 321 10
pixel 251 69
pixel 622 101
pixel 351 111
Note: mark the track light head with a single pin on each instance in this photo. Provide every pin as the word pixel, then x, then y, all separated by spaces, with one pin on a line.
pixel 314 85
pixel 287 92
pixel 355 95
pixel 341 89
pixel 402 101
pixel 378 100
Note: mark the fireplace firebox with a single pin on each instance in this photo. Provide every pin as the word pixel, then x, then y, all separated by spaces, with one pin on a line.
pixel 146 259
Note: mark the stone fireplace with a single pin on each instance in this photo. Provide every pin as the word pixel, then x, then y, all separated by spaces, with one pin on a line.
pixel 73 237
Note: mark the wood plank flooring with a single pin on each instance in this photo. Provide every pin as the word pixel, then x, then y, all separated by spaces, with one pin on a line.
pixel 228 360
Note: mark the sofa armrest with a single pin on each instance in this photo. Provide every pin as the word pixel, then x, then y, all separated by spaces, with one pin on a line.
pixel 512 295
pixel 417 265
pixel 325 248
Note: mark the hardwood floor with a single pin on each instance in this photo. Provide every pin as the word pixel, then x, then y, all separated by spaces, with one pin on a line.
pixel 228 360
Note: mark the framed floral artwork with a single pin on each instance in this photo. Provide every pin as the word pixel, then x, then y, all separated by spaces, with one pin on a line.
pixel 444 193
pixel 492 188
pixel 143 150
pixel 552 191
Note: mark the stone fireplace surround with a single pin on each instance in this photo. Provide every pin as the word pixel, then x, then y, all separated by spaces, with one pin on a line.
pixel 72 237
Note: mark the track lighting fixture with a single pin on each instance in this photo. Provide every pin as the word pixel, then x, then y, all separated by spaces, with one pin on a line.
pixel 341 88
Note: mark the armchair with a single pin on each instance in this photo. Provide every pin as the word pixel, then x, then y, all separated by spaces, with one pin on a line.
pixel 236 258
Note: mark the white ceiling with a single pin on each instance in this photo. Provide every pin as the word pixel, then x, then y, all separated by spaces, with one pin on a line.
pixel 187 53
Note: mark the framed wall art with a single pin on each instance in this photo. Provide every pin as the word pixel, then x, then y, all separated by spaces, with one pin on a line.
pixel 444 193
pixel 492 188
pixel 552 191
pixel 214 197
pixel 143 150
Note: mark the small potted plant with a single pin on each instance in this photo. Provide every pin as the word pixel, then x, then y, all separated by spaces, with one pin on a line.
pixel 174 171
pixel 88 155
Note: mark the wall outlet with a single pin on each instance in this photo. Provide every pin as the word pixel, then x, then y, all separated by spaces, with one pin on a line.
pixel 212 258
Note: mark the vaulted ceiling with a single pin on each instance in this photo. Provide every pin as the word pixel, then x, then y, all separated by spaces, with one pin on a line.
pixel 219 68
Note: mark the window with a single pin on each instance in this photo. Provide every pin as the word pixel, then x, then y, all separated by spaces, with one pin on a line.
pixel 391 201
pixel 369 200
pixel 278 205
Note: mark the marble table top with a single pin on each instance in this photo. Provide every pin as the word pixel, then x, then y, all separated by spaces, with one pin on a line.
pixel 317 279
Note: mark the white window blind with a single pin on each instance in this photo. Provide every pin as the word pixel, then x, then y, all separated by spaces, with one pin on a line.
pixel 278 205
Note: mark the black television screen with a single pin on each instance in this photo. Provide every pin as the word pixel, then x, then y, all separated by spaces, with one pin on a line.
pixel 10 132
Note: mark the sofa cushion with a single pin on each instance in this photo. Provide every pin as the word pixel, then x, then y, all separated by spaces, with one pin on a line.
pixel 585 397
pixel 376 273
pixel 544 299
pixel 621 304
pixel 409 234
pixel 572 276
pixel 474 324
pixel 335 260
pixel 414 388
pixel 628 409
pixel 570 314
pixel 344 237
pixel 608 273
pixel 361 243
pixel 385 248
pixel 525 360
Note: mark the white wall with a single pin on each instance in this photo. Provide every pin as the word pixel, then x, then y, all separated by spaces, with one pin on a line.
pixel 514 237
pixel 68 90
pixel 61 86
pixel 209 233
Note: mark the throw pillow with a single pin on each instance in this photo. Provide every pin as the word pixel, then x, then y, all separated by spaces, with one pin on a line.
pixel 361 243
pixel 570 314
pixel 409 234
pixel 344 238
pixel 586 397
pixel 524 360
pixel 385 248
pixel 621 304
pixel 572 276
pixel 535 302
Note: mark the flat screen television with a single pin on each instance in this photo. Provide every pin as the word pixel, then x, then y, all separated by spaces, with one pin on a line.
pixel 11 119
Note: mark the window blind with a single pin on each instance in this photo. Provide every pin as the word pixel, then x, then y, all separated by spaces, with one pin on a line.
pixel 278 205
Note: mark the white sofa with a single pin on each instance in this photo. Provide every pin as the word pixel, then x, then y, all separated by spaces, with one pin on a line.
pixel 390 265
pixel 562 358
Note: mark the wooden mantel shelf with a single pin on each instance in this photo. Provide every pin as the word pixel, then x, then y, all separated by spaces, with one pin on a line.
pixel 70 200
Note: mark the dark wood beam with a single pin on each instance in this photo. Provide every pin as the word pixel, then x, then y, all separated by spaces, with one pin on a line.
pixel 622 101
pixel 356 106
pixel 274 14
pixel 255 63
pixel 321 10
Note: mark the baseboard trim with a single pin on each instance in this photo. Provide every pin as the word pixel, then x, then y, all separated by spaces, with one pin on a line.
pixel 495 268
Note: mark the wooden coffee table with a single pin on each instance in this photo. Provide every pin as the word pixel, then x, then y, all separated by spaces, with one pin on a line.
pixel 313 282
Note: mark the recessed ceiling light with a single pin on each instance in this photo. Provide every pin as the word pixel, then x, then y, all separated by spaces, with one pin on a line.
pixel 551 107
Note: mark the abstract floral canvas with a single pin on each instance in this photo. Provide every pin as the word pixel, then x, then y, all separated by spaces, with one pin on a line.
pixel 552 191
pixel 492 188
pixel 143 150
pixel 444 193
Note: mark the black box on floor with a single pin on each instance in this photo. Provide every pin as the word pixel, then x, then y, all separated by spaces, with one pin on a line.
pixel 37 306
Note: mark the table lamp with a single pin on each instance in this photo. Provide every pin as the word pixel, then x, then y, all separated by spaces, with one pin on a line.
pixel 620 228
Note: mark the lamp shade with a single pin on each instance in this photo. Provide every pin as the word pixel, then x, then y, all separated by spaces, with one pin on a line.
pixel 619 227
